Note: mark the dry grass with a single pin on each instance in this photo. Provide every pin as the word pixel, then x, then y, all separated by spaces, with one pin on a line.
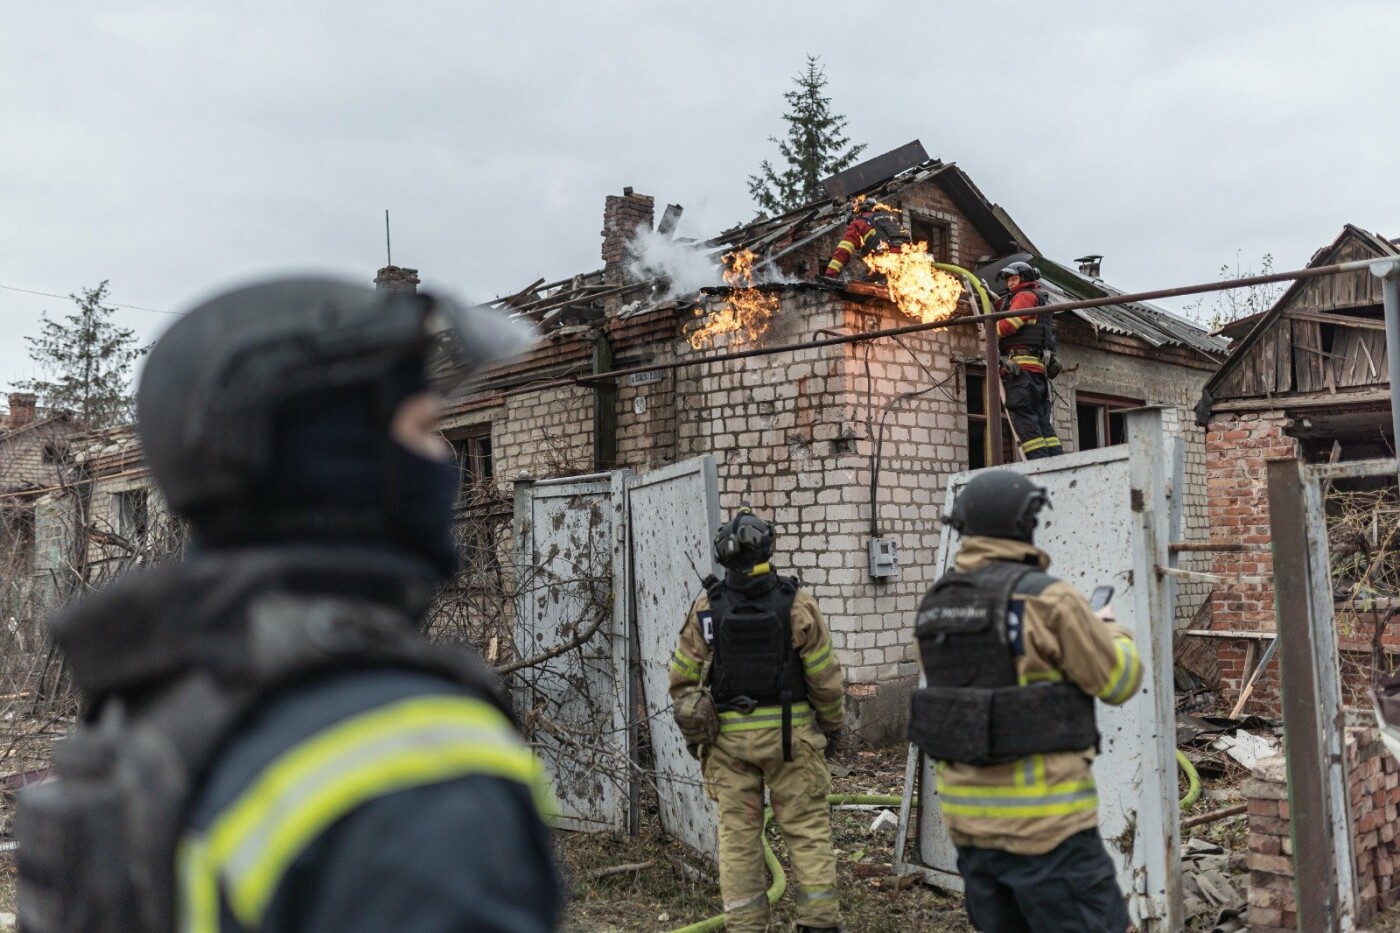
pixel 668 894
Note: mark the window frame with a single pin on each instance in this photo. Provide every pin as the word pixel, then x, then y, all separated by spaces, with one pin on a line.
pixel 1107 406
pixel 977 457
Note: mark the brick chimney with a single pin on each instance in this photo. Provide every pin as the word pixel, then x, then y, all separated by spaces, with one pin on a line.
pixel 621 218
pixel 396 279
pixel 22 405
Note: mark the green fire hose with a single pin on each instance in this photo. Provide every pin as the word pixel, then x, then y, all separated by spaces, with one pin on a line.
pixel 775 868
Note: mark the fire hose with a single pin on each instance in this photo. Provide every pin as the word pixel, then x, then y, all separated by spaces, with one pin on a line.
pixel 775 868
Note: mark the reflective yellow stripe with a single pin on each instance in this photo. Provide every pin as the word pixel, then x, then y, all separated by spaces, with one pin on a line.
pixel 829 710
pixel 684 666
pixel 198 907
pixel 415 742
pixel 1034 443
pixel 763 717
pixel 1019 802
pixel 1123 679
pixel 819 661
pixel 1053 677
pixel 1052 442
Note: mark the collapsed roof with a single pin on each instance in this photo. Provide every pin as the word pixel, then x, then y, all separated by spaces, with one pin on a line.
pixel 580 299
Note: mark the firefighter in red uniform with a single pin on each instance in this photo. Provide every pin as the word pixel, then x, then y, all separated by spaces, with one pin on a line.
pixel 1027 344
pixel 871 225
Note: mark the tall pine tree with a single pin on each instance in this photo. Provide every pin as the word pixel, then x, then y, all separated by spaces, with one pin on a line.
pixel 814 149
pixel 88 361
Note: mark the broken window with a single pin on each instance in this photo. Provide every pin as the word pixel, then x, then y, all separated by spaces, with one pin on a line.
pixel 474 461
pixel 1101 421
pixel 976 395
pixel 933 232
pixel 480 506
pixel 131 512
pixel 17 539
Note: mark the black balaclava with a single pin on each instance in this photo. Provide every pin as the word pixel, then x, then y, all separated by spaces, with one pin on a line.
pixel 338 478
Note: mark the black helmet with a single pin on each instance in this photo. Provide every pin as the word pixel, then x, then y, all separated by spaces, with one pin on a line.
pixel 1025 270
pixel 744 541
pixel 218 379
pixel 999 504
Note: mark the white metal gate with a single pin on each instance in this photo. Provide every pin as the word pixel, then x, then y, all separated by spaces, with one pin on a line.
pixel 569 568
pixel 672 516
pixel 1108 523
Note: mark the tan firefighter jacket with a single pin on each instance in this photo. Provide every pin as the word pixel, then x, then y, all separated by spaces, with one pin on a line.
pixel 1031 805
pixel 826 696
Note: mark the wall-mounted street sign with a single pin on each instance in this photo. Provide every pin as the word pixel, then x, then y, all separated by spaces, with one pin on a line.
pixel 645 379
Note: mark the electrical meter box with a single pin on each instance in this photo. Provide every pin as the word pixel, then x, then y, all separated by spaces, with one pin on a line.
pixel 884 559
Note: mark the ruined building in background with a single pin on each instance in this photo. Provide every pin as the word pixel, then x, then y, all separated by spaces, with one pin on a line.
pixel 1306 378
pixel 837 444
pixel 32 446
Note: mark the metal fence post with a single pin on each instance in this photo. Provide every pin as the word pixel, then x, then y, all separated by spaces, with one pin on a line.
pixel 1314 852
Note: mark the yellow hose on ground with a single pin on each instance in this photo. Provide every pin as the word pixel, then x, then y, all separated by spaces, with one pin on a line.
pixel 1193 780
pixel 775 868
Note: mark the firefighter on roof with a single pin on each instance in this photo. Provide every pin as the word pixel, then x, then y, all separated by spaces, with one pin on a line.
pixel 1027 345
pixel 871 226
pixel 757 693
pixel 1014 660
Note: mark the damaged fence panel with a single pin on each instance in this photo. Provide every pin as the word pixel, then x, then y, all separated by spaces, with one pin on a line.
pixel 1109 523
pixel 672 516
pixel 570 540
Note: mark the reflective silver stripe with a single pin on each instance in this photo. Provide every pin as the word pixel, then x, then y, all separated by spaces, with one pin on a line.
pixel 808 895
pixel 1009 802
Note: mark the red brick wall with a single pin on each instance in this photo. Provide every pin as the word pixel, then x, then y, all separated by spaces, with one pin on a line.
pixel 1237 450
pixel 1373 777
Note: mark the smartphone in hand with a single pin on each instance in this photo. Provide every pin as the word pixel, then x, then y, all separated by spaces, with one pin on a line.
pixel 1101 597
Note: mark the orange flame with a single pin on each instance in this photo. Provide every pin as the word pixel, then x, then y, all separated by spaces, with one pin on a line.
pixel 746 310
pixel 916 287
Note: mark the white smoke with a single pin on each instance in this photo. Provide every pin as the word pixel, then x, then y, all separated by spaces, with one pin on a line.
pixel 685 267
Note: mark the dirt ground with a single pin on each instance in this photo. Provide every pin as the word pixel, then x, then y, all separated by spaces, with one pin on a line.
pixel 668 894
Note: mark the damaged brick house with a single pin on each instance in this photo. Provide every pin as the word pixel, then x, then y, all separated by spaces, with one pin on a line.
pixel 838 444
pixel 30 448
pixel 1307 378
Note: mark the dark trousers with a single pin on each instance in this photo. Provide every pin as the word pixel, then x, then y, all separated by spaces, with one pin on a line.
pixel 1031 410
pixel 1070 889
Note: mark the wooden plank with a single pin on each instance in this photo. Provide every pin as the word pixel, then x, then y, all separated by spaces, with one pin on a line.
pixel 1268 365
pixel 1342 320
pixel 1307 358
pixel 1346 344
pixel 1283 355
pixel 1299 402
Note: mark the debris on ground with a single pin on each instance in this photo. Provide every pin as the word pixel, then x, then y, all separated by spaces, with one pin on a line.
pixel 1208 888
pixel 872 898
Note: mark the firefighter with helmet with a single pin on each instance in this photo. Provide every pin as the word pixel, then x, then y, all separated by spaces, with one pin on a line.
pixel 758 696
pixel 872 225
pixel 1014 660
pixel 268 742
pixel 1027 347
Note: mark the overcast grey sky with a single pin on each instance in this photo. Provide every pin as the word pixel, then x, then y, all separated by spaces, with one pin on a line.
pixel 176 147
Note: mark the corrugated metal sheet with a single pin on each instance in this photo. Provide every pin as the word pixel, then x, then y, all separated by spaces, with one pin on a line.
pixel 1155 326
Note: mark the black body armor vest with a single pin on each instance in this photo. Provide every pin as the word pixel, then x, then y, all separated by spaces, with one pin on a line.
pixel 171 663
pixel 753 653
pixel 973 709
pixel 887 230
pixel 754 661
pixel 1037 336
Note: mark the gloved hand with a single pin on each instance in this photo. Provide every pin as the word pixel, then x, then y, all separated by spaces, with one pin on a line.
pixel 832 739
pixel 1010 367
